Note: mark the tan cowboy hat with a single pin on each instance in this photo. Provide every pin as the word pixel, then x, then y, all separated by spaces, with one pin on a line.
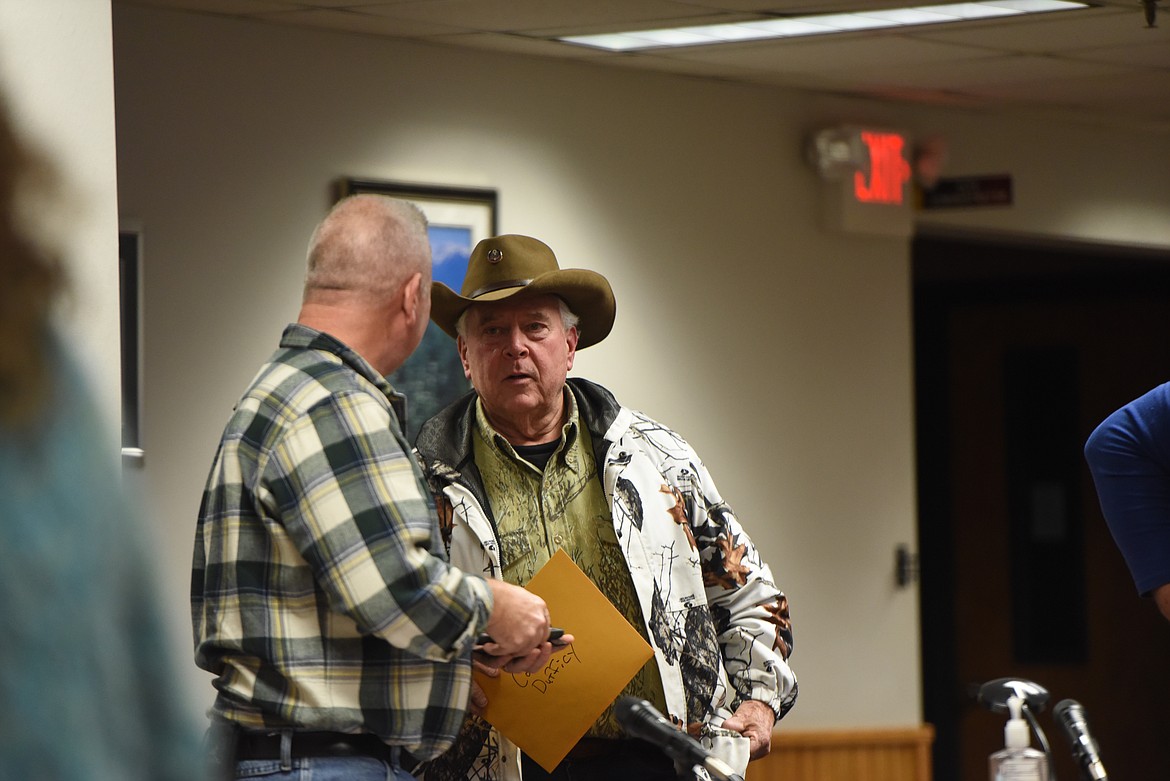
pixel 505 266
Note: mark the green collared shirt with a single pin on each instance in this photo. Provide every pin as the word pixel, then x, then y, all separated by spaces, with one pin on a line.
pixel 564 506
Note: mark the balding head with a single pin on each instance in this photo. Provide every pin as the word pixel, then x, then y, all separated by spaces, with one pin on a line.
pixel 367 247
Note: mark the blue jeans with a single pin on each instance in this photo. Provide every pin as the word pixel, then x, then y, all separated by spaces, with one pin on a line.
pixel 322 769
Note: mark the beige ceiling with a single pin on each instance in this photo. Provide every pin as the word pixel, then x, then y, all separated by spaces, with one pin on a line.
pixel 1103 64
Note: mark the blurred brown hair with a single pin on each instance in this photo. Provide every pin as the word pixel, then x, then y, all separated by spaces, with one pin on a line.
pixel 30 278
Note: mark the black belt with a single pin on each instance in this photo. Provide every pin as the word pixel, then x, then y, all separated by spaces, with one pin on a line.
pixel 253 745
pixel 597 748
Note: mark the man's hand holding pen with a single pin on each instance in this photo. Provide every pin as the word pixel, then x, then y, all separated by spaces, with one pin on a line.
pixel 486 660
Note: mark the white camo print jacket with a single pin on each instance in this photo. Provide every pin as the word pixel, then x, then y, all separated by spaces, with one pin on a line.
pixel 719 625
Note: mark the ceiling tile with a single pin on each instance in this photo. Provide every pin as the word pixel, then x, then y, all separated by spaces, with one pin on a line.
pixel 222 7
pixel 520 44
pixel 1101 62
pixel 355 22
pixel 836 54
pixel 519 15
pixel 1057 32
pixel 966 74
pixel 1155 54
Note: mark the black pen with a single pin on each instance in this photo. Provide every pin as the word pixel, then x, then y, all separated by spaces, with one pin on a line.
pixel 554 634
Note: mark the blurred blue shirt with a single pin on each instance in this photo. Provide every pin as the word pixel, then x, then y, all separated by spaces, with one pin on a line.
pixel 87 686
pixel 1129 457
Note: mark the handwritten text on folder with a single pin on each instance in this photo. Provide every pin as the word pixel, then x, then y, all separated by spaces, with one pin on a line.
pixel 546 713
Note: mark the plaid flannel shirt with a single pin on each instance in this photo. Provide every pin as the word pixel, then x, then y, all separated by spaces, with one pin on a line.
pixel 321 596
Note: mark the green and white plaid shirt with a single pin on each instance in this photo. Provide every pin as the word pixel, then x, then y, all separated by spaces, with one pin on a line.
pixel 321 596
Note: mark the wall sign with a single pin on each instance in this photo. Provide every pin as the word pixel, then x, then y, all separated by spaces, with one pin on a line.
pixel 958 191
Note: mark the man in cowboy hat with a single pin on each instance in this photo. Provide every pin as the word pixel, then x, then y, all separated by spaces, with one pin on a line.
pixel 531 461
pixel 321 599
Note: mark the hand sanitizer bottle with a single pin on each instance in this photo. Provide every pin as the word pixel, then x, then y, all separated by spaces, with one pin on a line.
pixel 1017 761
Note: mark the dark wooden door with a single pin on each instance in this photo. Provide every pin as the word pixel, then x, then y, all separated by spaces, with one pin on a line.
pixel 1021 352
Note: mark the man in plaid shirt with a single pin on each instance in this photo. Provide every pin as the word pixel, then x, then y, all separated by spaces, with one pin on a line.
pixel 322 602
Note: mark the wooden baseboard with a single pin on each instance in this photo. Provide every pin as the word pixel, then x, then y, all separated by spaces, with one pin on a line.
pixel 897 754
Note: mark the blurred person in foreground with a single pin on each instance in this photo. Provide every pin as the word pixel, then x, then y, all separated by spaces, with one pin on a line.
pixel 530 462
pixel 87 677
pixel 322 600
pixel 1129 457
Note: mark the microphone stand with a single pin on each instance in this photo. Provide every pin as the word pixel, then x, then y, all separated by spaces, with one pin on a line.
pixel 1042 738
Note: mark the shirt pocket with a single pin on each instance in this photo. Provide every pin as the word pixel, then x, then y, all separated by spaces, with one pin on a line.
pixel 516 554
pixel 606 535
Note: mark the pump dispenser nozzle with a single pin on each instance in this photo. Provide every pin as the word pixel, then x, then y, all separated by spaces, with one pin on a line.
pixel 1015 732
pixel 1017 760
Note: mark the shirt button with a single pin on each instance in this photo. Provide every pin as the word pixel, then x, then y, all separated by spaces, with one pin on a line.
pixel 558 539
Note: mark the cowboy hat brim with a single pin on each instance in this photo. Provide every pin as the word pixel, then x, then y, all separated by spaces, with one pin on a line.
pixel 587 293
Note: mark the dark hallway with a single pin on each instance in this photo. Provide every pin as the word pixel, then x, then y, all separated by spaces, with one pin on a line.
pixel 1021 349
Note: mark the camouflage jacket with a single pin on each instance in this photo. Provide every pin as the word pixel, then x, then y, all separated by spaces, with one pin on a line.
pixel 719 625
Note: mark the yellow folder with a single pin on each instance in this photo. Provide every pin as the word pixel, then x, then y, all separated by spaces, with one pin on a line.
pixel 546 713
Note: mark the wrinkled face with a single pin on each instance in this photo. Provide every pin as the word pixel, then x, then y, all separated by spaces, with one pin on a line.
pixel 517 354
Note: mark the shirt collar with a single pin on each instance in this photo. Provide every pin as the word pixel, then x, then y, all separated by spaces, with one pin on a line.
pixel 301 336
pixel 569 433
pixel 298 335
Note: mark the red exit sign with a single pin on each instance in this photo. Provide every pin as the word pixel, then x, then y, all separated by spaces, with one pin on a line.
pixel 868 179
pixel 888 172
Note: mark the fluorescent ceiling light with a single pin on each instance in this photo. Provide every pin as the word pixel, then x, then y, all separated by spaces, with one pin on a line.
pixel 822 24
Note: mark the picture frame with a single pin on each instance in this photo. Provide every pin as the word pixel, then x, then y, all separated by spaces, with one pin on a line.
pixel 458 218
pixel 130 335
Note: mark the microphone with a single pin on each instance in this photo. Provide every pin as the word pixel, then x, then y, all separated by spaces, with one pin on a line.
pixel 1071 717
pixel 641 720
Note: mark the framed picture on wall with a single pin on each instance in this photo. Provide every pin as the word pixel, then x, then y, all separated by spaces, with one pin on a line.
pixel 130 322
pixel 458 218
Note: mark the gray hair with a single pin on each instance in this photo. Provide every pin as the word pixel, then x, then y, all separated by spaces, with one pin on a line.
pixel 569 318
pixel 368 244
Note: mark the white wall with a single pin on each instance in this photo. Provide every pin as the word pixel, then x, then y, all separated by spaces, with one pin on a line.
pixel 57 73
pixel 56 68
pixel 781 350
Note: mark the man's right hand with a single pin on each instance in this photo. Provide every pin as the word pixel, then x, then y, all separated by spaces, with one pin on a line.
pixel 518 626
